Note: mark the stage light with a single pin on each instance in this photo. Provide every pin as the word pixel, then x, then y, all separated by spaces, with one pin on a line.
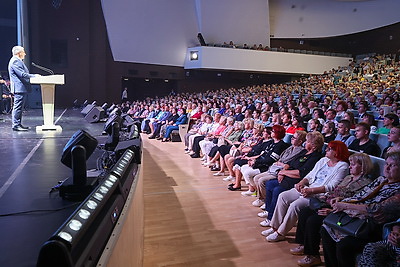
pixel 82 238
pixel 194 55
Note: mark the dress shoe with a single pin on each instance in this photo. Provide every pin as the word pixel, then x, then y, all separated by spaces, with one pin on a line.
pixel 19 129
pixel 152 137
pixel 195 155
pixel 309 261
pixel 299 250
pixel 234 188
pixel 24 127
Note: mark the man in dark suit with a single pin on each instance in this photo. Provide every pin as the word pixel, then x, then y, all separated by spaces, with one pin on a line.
pixel 20 85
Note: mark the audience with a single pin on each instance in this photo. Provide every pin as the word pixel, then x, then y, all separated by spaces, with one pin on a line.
pixel 337 100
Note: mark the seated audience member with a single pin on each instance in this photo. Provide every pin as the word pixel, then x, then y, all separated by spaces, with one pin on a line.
pixel 386 252
pixel 349 116
pixel 341 108
pixel 170 114
pixel 363 143
pixel 260 164
pixel 293 172
pixel 369 119
pixel 324 177
pixel 311 218
pixel 210 147
pixel 286 120
pixel 394 138
pixel 344 133
pixel 305 114
pixel 244 148
pixel 161 116
pixel 331 116
pixel 193 130
pixel 152 114
pixel 169 121
pixel 223 149
pixel 379 201
pixel 200 137
pixel 255 151
pixel 202 131
pixel 319 114
pixel 329 132
pixel 314 125
pixel 238 113
pixel 208 142
pixel 182 119
pixel 287 155
pixel 297 125
pixel 362 109
pixel 390 120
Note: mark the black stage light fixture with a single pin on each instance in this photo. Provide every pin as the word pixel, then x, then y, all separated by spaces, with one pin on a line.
pixel 201 39
pixel 82 238
pixel 82 138
pixel 75 153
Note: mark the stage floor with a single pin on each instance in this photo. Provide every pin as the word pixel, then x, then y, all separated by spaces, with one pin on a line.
pixel 30 166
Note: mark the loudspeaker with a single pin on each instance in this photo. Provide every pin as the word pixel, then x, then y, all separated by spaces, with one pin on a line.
pixel 87 109
pixel 95 115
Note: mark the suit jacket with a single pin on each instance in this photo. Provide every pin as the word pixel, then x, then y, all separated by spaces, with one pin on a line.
pixel 19 76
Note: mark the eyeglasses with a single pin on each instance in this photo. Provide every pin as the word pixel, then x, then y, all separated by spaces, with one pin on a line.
pixel 328 149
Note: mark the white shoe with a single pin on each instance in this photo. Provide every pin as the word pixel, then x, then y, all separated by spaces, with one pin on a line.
pixel 219 174
pixel 263 214
pixel 188 152
pixel 262 206
pixel 267 232
pixel 275 237
pixel 229 178
pixel 265 223
pixel 204 158
pixel 257 203
pixel 207 164
pixel 247 193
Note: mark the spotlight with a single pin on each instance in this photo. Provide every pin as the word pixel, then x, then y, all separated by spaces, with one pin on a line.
pixel 194 55
pixel 82 238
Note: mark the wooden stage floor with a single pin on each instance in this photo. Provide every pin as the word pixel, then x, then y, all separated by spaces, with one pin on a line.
pixel 191 219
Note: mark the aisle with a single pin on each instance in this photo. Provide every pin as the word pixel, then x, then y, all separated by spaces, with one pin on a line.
pixel 191 219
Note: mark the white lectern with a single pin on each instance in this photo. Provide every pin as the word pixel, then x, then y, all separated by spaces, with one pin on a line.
pixel 47 84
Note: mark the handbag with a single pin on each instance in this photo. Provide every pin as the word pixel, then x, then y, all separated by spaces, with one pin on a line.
pixel 353 226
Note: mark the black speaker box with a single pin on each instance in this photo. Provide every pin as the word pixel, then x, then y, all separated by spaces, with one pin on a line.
pixel 87 109
pixel 95 115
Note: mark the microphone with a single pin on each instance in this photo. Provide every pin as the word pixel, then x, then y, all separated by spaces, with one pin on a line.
pixel 43 68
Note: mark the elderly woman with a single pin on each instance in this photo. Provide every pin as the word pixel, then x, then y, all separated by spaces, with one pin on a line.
pixel 243 148
pixel 212 138
pixel 210 148
pixel 310 220
pixel 324 177
pixel 222 150
pixel 293 172
pixel 378 201
pixel 260 164
pixel 290 153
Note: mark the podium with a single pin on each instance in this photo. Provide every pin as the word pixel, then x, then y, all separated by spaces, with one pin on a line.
pixel 47 84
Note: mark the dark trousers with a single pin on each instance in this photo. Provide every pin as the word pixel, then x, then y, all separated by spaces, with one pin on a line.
pixel 272 191
pixel 19 101
pixel 196 145
pixel 308 231
pixel 342 253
